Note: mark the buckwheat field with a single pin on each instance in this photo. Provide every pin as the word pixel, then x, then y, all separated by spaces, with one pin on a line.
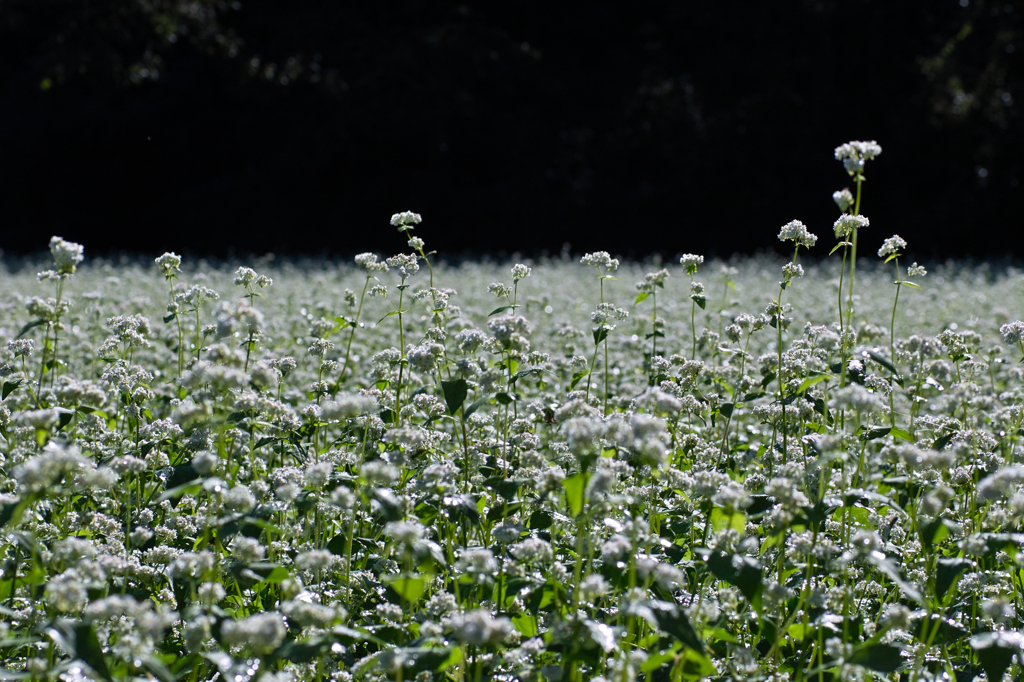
pixel 570 469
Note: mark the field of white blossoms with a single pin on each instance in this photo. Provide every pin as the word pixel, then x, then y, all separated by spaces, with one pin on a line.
pixel 568 470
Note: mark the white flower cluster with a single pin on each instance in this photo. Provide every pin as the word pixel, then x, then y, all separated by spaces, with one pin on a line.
pixel 854 154
pixel 796 232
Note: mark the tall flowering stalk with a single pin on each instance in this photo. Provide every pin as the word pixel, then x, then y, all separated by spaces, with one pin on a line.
pixel 66 257
pixel 371 266
pixel 604 264
pixel 796 232
pixel 170 265
pixel 648 288
pixel 251 282
pixel 406 265
pixel 890 251
pixel 690 262
pixel 854 155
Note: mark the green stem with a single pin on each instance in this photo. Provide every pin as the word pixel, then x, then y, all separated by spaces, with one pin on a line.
pixel 853 256
pixel 892 346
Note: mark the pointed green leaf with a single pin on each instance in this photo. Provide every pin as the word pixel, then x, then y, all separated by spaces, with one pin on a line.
pixel 574 489
pixel 27 327
pixel 946 573
pixel 883 658
pixel 455 391
pixel 9 387
pixel 409 586
pixel 811 381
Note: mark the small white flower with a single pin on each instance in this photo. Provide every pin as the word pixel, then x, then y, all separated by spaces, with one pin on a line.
pixel 854 154
pixel 369 262
pixel 168 262
pixel 847 224
pixel 916 270
pixel 844 199
pixel 601 259
pixel 66 255
pixel 795 231
pixel 690 261
pixel 405 219
pixel 892 246
pixel 520 271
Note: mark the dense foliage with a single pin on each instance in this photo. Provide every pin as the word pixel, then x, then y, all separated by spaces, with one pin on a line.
pixel 319 471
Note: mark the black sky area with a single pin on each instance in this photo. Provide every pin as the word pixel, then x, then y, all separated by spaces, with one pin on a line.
pixel 634 127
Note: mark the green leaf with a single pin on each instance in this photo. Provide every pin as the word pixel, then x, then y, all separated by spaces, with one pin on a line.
pixel 476 406
pixel 693 665
pixel 409 586
pixel 189 488
pixel 535 371
pixel 725 409
pixel 658 660
pixel 10 512
pixel 506 487
pixel 722 519
pixel 80 641
pixel 836 247
pixel 641 297
pixel 811 381
pixel 27 327
pixel 995 650
pixel 888 568
pixel 577 377
pixel 393 312
pixel 702 301
pixel 302 652
pixel 877 432
pixel 277 575
pixel 406 663
pixel 575 487
pixel 463 507
pixel 741 571
pixel 158 668
pixel 942 441
pixel 540 519
pixel 883 658
pixel 526 625
pixel 505 398
pixel 9 387
pixel 670 618
pixel 934 531
pixel 910 284
pixel 502 510
pixel 498 310
pixel 946 573
pixel 882 360
pixel 900 433
pixel 455 391
pixel 600 334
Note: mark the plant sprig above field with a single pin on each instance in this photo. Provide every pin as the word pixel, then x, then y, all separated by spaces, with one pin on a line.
pixel 385 471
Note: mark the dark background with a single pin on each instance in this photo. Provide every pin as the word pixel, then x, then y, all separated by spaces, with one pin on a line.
pixel 637 126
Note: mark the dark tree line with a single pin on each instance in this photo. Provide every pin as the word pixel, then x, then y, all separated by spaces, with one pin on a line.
pixel 665 125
